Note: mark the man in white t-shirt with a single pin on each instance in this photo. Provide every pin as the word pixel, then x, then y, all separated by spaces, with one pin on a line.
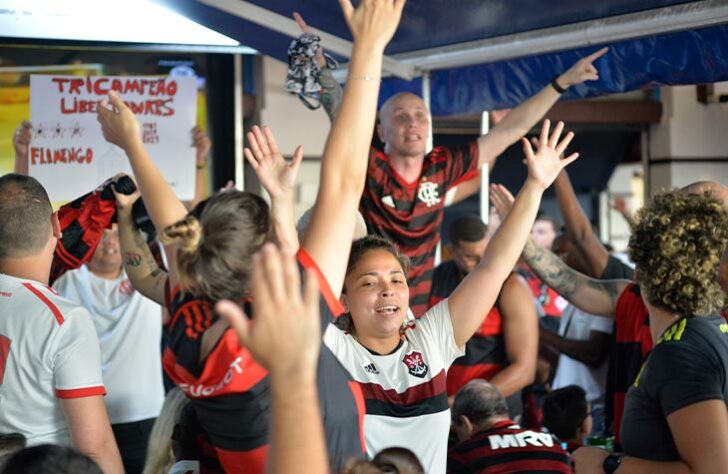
pixel 130 330
pixel 51 389
pixel 582 343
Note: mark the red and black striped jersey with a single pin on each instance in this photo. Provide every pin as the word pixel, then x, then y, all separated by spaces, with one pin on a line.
pixel 410 214
pixel 549 301
pixel 230 391
pixel 506 447
pixel 632 343
pixel 83 222
pixel 485 351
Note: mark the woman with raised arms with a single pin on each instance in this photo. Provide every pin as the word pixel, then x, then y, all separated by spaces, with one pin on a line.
pixel 210 251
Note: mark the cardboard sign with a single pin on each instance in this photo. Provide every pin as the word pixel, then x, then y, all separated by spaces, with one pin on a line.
pixel 68 153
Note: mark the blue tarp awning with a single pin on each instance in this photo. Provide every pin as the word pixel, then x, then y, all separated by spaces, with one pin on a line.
pixel 695 55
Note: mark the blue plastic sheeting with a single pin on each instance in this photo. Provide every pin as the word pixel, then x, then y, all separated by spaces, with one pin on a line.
pixel 425 23
pixel 681 58
pixel 690 57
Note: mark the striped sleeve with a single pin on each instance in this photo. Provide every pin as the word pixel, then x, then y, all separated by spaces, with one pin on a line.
pixel 462 164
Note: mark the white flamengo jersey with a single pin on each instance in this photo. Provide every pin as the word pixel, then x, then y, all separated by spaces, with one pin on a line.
pixel 48 350
pixel 405 391
pixel 129 326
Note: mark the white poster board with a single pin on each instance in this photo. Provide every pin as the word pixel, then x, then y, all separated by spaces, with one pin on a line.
pixel 68 153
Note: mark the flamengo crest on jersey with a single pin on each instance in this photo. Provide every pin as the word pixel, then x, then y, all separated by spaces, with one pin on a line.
pixel 429 193
pixel 415 364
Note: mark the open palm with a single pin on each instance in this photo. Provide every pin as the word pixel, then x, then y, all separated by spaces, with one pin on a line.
pixel 545 164
pixel 276 174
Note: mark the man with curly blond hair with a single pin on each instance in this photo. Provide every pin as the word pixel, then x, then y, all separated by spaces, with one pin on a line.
pixel 618 299
pixel 675 414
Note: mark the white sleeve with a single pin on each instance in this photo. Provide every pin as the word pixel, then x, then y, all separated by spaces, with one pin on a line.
pixel 601 324
pixel 436 326
pixel 77 358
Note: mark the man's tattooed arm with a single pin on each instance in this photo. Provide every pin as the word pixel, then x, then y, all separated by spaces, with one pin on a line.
pixel 331 93
pixel 598 297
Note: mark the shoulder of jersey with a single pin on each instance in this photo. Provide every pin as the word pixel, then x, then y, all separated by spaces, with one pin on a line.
pixel 45 297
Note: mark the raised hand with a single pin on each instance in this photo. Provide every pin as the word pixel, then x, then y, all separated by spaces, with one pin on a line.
pixel 275 173
pixel 118 123
pixel 502 200
pixel 285 336
pixel 202 145
pixel 21 139
pixel 125 202
pixel 583 70
pixel 373 22
pixel 545 164
pixel 320 59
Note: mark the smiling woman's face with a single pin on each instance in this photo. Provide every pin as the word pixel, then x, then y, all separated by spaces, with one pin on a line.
pixel 377 295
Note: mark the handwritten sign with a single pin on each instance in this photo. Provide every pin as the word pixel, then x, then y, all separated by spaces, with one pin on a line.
pixel 68 153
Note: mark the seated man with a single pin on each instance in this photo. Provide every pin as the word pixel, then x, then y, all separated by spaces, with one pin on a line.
pixel 566 414
pixel 491 442
pixel 503 351
pixel 50 366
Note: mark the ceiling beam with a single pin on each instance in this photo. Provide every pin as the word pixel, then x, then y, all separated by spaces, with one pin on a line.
pixel 575 112
pixel 287 26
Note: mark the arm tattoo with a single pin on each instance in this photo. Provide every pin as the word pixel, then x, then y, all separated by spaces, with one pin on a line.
pixel 551 269
pixel 331 93
pixel 132 259
pixel 611 287
pixel 140 245
pixel 562 278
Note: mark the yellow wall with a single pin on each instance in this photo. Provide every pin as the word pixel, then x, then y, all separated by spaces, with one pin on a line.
pixel 14 107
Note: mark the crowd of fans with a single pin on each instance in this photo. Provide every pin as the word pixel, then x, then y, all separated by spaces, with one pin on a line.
pixel 333 346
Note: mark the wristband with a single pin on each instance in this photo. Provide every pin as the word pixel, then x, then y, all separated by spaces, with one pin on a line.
pixel 556 85
pixel 611 463
pixel 201 166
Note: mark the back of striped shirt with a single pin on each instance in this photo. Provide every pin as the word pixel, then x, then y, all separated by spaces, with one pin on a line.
pixel 506 447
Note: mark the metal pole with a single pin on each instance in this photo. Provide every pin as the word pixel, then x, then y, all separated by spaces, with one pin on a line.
pixel 238 104
pixel 484 173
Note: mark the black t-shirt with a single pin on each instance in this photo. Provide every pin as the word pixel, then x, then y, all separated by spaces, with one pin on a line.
pixel 617 270
pixel 688 365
